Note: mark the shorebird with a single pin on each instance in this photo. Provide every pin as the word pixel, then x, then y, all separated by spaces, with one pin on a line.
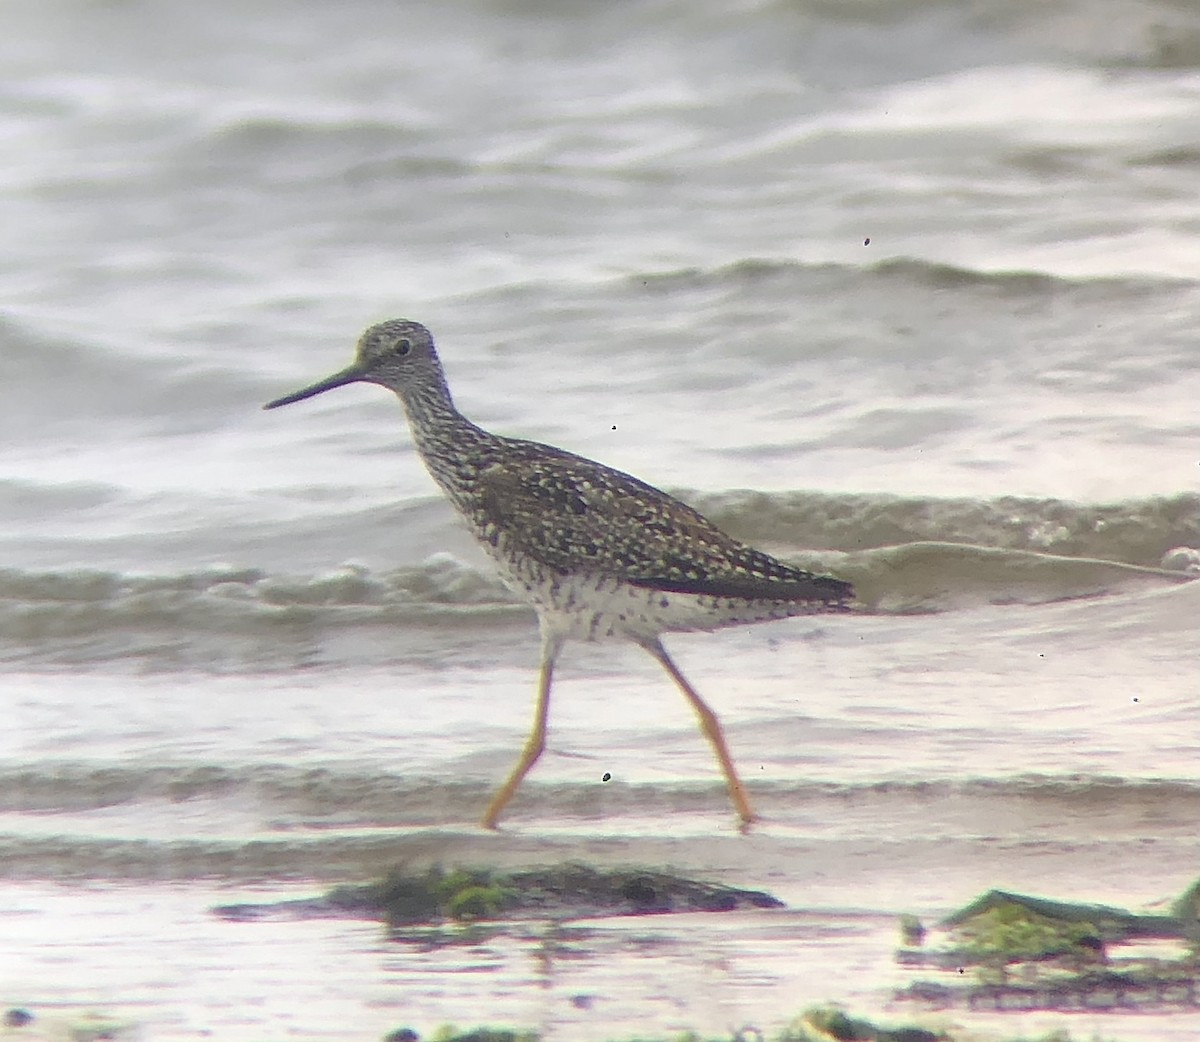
pixel 598 554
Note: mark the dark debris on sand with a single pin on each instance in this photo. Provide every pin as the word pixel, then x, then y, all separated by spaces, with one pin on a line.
pixel 572 891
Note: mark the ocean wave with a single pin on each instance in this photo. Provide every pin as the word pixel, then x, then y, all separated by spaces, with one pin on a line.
pixel 903 555
pixel 41 608
pixel 910 270
pixel 334 791
pixel 34 361
pixel 928 577
pixel 111 387
pixel 279 821
pixel 44 607
pixel 56 787
pixel 1155 35
pixel 1142 532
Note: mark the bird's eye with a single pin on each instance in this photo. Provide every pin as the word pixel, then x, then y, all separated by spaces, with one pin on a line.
pixel 403 346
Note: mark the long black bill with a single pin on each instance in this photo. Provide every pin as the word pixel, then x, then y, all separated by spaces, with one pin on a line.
pixel 351 374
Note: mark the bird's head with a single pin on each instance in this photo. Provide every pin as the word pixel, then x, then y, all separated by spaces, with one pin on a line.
pixel 394 354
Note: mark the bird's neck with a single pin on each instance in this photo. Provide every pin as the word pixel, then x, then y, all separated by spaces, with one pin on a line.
pixel 440 431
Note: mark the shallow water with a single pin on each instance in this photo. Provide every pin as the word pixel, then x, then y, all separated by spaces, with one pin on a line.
pixel 904 291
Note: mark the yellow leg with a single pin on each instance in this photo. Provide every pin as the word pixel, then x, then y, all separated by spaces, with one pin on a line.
pixel 536 741
pixel 712 731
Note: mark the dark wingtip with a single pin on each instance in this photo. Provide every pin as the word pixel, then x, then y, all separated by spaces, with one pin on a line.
pixel 836 591
pixel 824 592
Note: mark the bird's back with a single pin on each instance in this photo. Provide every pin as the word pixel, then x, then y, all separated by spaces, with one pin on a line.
pixel 564 527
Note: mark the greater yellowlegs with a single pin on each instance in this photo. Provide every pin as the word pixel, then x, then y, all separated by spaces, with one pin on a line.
pixel 598 554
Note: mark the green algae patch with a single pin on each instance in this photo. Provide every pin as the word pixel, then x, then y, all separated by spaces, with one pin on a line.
pixel 1014 952
pixel 1112 923
pixel 447 1033
pixel 1011 933
pixel 829 1023
pixel 435 896
pixel 834 1024
pixel 439 896
pixel 450 1034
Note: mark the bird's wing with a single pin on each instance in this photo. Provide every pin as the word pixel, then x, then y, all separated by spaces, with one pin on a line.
pixel 571 513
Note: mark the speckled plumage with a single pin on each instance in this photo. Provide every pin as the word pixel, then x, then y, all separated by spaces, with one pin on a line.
pixel 597 553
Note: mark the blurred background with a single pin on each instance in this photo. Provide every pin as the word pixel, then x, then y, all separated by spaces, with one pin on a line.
pixel 929 248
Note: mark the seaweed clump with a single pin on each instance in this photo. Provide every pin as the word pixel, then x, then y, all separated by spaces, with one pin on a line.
pixel 1017 952
pixel 560 892
pixel 829 1023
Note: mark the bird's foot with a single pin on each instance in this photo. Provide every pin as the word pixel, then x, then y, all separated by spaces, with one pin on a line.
pixel 745 824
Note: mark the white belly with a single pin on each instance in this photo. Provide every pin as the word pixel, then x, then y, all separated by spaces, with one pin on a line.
pixel 591 607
